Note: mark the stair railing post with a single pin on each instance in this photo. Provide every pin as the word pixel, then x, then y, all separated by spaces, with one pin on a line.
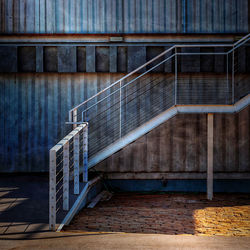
pixel 233 76
pixel 228 98
pixel 76 163
pixel 85 154
pixel 52 190
pixel 74 118
pixel 70 116
pixel 66 176
pixel 175 82
pixel 120 120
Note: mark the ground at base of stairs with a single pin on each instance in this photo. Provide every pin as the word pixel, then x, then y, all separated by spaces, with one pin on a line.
pixel 172 214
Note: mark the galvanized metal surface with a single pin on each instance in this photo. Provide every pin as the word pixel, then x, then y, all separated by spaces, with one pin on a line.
pixel 125 16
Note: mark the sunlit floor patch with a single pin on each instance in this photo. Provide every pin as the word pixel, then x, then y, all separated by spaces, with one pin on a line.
pixel 230 221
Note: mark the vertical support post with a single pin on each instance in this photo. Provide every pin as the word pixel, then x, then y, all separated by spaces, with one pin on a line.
pixel 39 59
pixel 85 154
pixel 175 82
pixel 70 116
pixel 120 120
pixel 76 163
pixel 74 118
pixel 66 176
pixel 228 98
pixel 52 189
pixel 233 76
pixel 210 132
pixel 85 116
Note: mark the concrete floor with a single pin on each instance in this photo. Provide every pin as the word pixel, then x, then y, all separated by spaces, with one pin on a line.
pixel 24 218
pixel 122 241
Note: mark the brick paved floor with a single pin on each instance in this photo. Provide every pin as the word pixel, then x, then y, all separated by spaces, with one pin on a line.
pixel 227 214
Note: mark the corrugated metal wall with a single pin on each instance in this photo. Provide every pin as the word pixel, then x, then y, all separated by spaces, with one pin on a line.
pixel 34 108
pixel 33 112
pixel 124 16
pixel 179 146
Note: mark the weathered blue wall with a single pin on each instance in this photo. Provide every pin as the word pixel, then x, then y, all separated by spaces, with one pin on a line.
pixel 177 149
pixel 124 16
pixel 34 108
pixel 33 112
pixel 225 186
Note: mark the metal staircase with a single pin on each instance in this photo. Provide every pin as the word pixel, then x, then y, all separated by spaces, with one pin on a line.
pixel 143 94
pixel 206 78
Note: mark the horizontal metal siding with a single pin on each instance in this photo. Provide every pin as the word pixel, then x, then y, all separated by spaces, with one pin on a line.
pixel 130 16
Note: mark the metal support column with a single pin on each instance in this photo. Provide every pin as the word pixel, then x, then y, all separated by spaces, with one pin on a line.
pixel 76 162
pixel 85 154
pixel 210 135
pixel 233 77
pixel 74 118
pixel 228 98
pixel 175 82
pixel 52 190
pixel 120 120
pixel 66 176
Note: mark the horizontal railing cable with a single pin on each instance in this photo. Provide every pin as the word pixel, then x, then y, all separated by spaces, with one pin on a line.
pixel 244 39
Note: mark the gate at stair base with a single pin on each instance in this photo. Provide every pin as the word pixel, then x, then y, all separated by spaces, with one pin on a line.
pixel 68 159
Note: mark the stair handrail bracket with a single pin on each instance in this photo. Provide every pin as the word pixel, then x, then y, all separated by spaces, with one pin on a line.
pixel 68 158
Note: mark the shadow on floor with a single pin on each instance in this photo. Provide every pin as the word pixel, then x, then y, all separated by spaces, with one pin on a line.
pixel 23 204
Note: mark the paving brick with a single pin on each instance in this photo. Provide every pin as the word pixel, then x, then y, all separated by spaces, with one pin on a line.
pixel 227 215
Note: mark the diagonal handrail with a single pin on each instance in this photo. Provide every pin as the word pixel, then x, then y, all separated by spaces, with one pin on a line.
pixel 174 47
pixel 237 45
pixel 123 78
pixel 128 83
pixel 242 39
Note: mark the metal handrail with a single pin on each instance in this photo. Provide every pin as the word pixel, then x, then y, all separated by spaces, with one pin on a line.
pixel 128 83
pixel 157 65
pixel 234 45
pixel 242 39
pixel 239 44
pixel 60 174
pixel 121 79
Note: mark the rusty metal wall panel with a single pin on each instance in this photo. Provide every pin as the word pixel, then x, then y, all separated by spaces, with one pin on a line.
pixel 130 16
